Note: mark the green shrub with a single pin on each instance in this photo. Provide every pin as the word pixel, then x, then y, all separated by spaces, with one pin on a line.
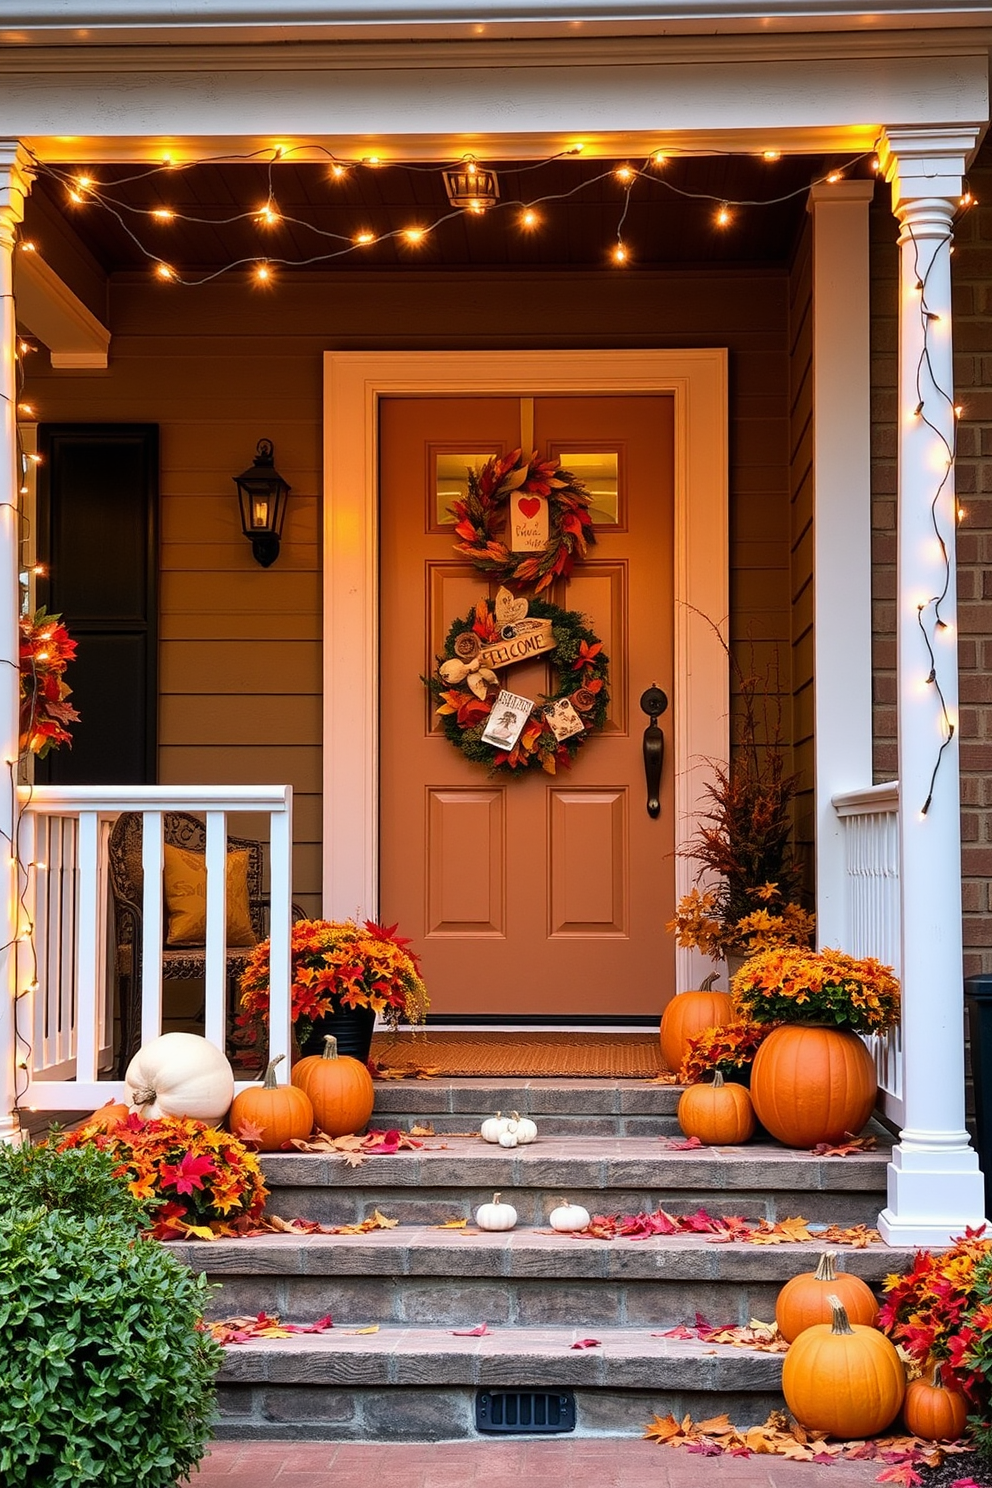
pixel 79 1182
pixel 105 1377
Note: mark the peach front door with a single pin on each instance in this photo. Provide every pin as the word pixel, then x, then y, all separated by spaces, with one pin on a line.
pixel 538 896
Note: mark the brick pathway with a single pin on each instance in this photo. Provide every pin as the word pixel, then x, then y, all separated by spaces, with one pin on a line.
pixel 585 1462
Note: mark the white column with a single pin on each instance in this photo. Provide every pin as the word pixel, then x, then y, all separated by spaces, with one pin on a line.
pixel 935 1188
pixel 841 528
pixel 14 187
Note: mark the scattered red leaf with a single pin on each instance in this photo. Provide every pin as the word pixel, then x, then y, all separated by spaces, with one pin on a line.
pixel 470 1332
pixel 263 1325
pixel 673 1144
pixel 903 1474
pixel 850 1144
pixel 586 1343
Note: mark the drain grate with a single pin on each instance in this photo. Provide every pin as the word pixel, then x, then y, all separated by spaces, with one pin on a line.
pixel 520 1412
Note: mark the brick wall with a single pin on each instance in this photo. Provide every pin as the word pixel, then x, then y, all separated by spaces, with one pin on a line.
pixel 972 276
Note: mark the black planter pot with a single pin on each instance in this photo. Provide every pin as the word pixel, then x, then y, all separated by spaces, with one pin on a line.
pixel 352 1027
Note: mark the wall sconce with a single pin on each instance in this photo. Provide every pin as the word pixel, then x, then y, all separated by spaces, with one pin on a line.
pixel 262 493
pixel 471 185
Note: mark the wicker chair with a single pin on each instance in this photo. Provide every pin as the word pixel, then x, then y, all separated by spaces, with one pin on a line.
pixel 183 963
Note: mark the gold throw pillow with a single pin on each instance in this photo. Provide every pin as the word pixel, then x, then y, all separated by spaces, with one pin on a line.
pixel 186 898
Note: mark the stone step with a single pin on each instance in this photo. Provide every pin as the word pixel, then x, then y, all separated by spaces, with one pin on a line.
pixel 622 1108
pixel 449 1179
pixel 420 1384
pixel 522 1278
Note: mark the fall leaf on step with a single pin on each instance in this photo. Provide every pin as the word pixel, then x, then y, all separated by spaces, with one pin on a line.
pixel 372 1328
pixel 354 1159
pixel 451 1224
pixel 425 1130
pixel 903 1474
pixel 794 1229
pixel 715 1426
pixel 381 1222
pixel 295 1226
pixel 198 1232
pixel 844 1149
pixel 586 1343
pixel 664 1079
pixel 664 1429
pixel 857 1236
pixel 470 1332
pixel 674 1144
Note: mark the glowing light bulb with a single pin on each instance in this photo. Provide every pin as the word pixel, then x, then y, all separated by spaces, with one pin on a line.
pixel 529 218
pixel 962 513
pixel 414 234
pixel 27 247
pixel 24 347
pixel 35 459
pixel 263 273
pixel 723 217
pixel 337 171
pixel 876 164
pixel 833 178
pixel 84 182
pixel 619 254
pixel 470 167
pixel 624 173
pixel 575 149
pixel 659 158
pixel 967 199
pixel 269 214
pixel 39 570
pixel 958 410
pixel 75 196
pixel 162 214
pixel 163 271
pixel 771 154
pixel 27 409
pixel 363 237
pixel 372 160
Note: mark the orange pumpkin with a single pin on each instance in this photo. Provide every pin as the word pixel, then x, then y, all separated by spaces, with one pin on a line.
pixel 340 1089
pixel 933 1412
pixel 802 1302
pixel 279 1112
pixel 811 1084
pixel 688 1014
pixel 109 1116
pixel 847 1381
pixel 719 1113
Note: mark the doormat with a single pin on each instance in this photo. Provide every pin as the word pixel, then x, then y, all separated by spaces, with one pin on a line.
pixel 589 1056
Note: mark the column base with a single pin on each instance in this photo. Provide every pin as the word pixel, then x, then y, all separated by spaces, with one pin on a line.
pixel 12 1133
pixel 933 1196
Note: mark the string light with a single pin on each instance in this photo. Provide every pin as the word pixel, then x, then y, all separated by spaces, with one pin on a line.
pixel 620 255
pixel 27 247
pixel 771 154
pixel 263 273
pixel 624 173
pixel 25 348
pixel 269 214
pixel 529 218
pixel 26 409
pixel 414 234
pixel 834 177
pixel 723 216
pixel 659 158
pixel 337 171
pixel 162 214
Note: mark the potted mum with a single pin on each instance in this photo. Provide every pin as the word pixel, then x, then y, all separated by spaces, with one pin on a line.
pixel 813 1079
pixel 343 976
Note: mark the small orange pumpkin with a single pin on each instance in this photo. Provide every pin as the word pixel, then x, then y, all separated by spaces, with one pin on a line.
pixel 719 1113
pixel 846 1381
pixel 340 1089
pixel 932 1411
pixel 688 1014
pixel 802 1302
pixel 812 1084
pixel 279 1112
pixel 109 1116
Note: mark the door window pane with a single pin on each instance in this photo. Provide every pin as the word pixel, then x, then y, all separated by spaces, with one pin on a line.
pixel 600 474
pixel 451 481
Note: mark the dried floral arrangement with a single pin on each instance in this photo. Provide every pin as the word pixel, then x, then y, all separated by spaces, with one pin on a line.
pixel 197 1181
pixel 45 651
pixel 729 1049
pixel 940 1313
pixel 744 840
pixel 338 964
pixel 792 985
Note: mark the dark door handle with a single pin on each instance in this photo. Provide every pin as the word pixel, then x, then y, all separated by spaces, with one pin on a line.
pixel 653 703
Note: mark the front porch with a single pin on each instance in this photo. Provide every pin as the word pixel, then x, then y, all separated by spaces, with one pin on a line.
pixel 243 688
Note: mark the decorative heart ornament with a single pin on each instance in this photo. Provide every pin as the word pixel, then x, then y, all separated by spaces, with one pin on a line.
pixel 508 609
pixel 530 505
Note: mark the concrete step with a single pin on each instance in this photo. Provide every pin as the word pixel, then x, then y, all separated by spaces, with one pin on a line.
pixel 620 1108
pixel 523 1278
pixel 449 1179
pixel 420 1384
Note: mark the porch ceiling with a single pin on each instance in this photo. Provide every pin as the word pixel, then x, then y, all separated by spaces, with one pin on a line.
pixel 578 230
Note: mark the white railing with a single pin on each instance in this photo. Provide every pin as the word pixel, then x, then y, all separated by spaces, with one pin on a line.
pixel 67 961
pixel 871 853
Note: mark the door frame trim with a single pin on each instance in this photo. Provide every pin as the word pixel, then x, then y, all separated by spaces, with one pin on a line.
pixel 354 382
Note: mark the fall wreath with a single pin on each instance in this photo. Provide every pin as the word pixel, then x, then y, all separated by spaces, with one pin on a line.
pixel 472 703
pixel 525 482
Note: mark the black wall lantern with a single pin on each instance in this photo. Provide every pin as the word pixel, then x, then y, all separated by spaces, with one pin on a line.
pixel 262 493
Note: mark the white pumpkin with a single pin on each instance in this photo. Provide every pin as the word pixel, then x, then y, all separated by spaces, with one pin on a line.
pixel 180 1074
pixel 526 1129
pixel 493 1127
pixel 496 1216
pixel 569 1217
pixel 508 1138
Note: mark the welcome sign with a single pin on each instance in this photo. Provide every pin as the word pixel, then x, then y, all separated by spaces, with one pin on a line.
pixel 520 642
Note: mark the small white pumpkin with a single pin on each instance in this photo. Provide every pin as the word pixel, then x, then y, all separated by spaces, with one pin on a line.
pixel 180 1074
pixel 526 1129
pixel 496 1216
pixel 508 1137
pixel 493 1127
pixel 568 1217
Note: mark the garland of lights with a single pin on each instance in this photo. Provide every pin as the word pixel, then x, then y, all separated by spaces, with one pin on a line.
pixel 465 706
pixel 82 188
pixel 516 477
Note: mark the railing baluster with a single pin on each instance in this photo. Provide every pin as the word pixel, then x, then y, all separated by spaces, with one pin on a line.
pixel 89 983
pixel 152 920
pixel 280 895
pixel 215 1012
